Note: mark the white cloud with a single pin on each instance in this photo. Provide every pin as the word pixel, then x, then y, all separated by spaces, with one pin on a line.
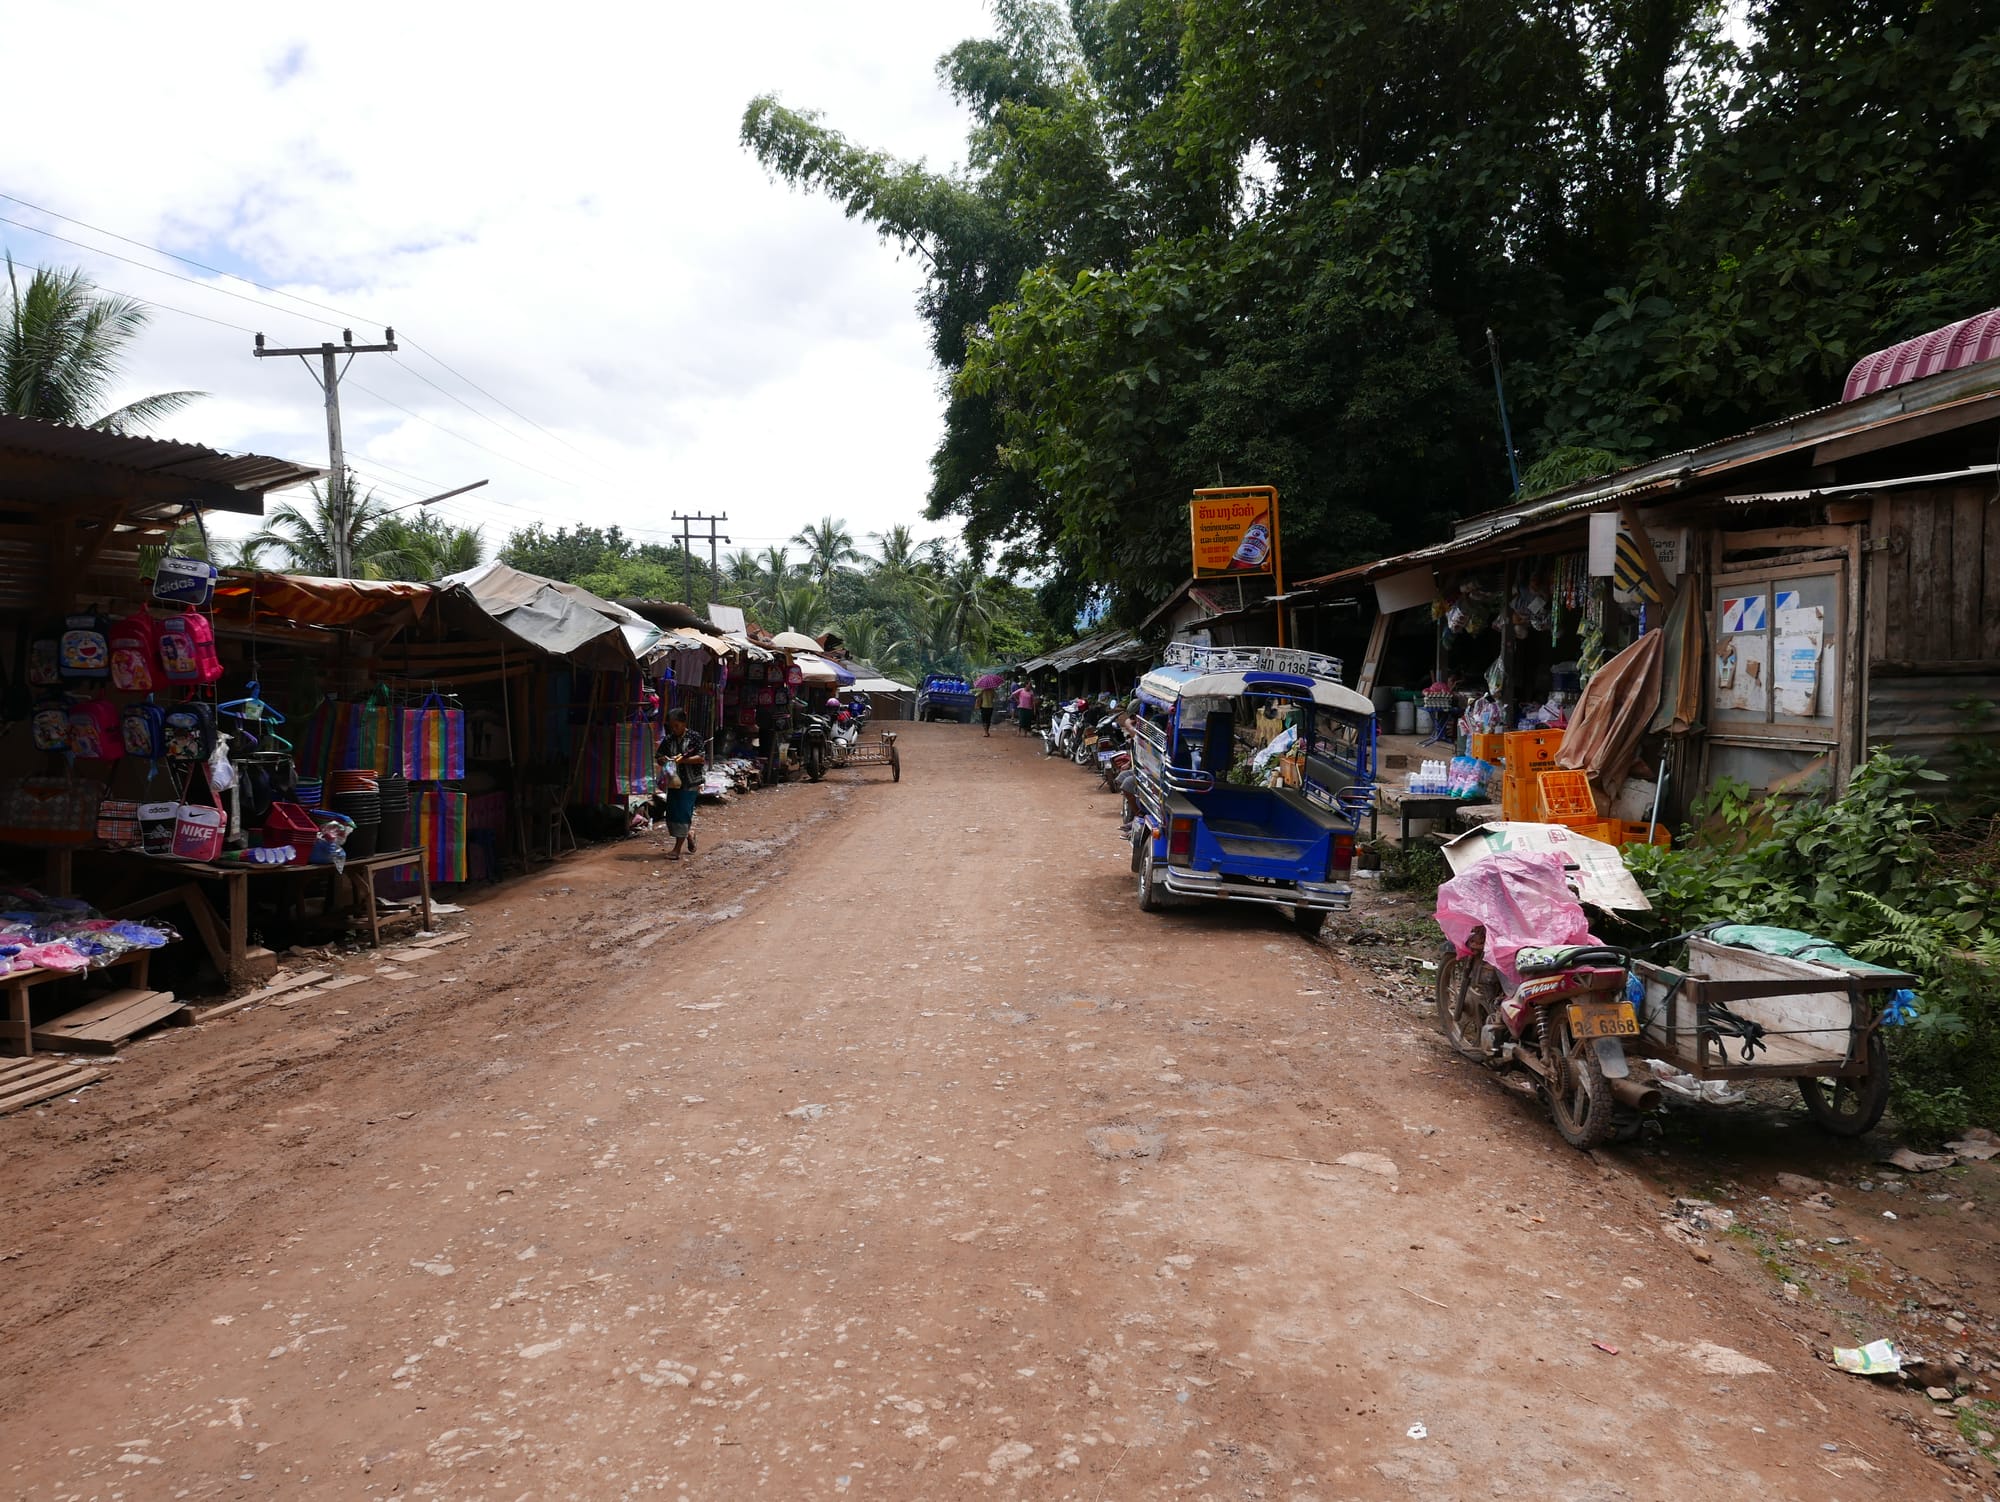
pixel 551 199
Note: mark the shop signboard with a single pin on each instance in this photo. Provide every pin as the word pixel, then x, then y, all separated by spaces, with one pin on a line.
pixel 1235 532
pixel 183 581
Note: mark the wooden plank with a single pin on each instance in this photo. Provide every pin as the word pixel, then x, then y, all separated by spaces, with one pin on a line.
pixel 73 1077
pixel 1371 660
pixel 1907 429
pixel 102 1025
pixel 1791 539
pixel 1969 521
pixel 275 988
pixel 438 941
pixel 1914 615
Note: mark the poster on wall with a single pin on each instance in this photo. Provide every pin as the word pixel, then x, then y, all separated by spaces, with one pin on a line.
pixel 1800 636
pixel 1235 531
pixel 1742 673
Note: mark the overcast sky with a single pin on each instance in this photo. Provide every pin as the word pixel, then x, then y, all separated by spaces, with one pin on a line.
pixel 551 200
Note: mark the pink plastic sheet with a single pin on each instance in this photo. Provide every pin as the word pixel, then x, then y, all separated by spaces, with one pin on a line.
pixel 1521 899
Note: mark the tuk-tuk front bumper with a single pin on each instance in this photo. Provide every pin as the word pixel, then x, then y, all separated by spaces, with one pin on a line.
pixel 1314 896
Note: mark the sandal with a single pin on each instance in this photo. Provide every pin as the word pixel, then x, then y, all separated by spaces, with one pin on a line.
pixel 690 844
pixel 673 855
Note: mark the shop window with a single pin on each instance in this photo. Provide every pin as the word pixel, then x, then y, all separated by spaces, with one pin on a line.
pixel 1774 654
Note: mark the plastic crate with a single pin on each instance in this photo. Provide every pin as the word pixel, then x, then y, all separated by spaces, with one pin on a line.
pixel 1630 833
pixel 1486 745
pixel 1531 751
pixel 1606 831
pixel 1518 802
pixel 1565 796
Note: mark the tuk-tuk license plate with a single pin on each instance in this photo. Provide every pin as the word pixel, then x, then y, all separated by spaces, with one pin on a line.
pixel 1603 1019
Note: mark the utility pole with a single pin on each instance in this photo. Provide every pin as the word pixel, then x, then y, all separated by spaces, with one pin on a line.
pixel 1506 428
pixel 339 493
pixel 687 553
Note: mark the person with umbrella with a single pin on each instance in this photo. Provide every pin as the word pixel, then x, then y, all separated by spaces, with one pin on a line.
pixel 987 688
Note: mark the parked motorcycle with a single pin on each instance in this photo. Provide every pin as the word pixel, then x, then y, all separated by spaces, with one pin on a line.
pixel 1103 737
pixel 809 742
pixel 842 737
pixel 1060 736
pixel 1564 1023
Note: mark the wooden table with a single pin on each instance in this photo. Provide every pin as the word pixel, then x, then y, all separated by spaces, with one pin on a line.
pixel 226 934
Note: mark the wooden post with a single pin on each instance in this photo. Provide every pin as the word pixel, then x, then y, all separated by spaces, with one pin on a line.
pixel 1371 660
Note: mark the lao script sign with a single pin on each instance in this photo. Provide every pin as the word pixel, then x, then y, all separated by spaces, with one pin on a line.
pixel 1252 660
pixel 1235 531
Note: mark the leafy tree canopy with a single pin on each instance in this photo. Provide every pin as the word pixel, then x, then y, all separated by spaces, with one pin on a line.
pixel 1263 241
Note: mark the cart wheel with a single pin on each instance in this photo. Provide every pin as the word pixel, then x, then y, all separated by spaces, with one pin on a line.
pixel 1462 991
pixel 1579 1097
pixel 1150 900
pixel 895 765
pixel 1309 921
pixel 1848 1107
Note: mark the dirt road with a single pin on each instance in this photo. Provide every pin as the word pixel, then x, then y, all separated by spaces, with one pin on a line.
pixel 884 1150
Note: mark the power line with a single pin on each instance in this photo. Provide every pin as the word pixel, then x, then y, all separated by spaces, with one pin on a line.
pixel 452 433
pixel 437 360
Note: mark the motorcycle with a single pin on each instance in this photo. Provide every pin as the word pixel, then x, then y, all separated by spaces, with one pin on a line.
pixel 842 738
pixel 1564 1023
pixel 1112 765
pixel 1102 738
pixel 1059 737
pixel 809 743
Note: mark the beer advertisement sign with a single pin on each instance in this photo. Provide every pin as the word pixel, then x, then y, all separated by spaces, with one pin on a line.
pixel 1235 532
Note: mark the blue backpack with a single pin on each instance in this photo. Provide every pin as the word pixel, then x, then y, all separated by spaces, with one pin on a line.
pixel 145 730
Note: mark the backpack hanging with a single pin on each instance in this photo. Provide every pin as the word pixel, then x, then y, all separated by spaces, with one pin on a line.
pixel 135 654
pixel 86 646
pixel 51 725
pixel 94 731
pixel 189 731
pixel 144 728
pixel 187 649
pixel 45 660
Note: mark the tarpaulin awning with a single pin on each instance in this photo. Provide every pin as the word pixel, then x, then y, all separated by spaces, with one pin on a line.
pixel 564 620
pixel 881 686
pixel 323 602
pixel 821 669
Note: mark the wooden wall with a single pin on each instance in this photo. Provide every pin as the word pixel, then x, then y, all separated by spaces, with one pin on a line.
pixel 1934 592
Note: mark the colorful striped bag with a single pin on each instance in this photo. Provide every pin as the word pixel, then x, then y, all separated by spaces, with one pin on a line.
pixel 437 816
pixel 433 742
pixel 324 735
pixel 370 736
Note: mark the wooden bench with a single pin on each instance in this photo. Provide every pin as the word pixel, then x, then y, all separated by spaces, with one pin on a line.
pixel 19 1035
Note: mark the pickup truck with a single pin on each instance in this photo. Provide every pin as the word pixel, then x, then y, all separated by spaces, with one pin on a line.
pixel 944 697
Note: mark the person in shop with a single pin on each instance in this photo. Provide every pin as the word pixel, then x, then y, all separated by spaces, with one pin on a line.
pixel 1024 707
pixel 985 703
pixel 683 754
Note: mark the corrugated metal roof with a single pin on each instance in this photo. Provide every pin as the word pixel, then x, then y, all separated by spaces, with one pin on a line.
pixel 1966 342
pixel 208 472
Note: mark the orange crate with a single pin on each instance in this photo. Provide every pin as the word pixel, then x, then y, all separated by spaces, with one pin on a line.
pixel 1487 745
pixel 1517 800
pixel 1531 751
pixel 1605 831
pixel 1630 833
pixel 1565 796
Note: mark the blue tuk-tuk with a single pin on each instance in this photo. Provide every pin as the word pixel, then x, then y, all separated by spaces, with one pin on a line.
pixel 1228 819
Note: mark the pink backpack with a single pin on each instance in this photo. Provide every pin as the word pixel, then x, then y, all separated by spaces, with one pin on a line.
pixel 187 649
pixel 135 654
pixel 94 732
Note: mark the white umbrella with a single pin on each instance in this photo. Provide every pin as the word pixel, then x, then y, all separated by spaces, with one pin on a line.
pixel 794 641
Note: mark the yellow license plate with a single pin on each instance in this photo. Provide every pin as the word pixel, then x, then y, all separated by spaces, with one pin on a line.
pixel 1603 1019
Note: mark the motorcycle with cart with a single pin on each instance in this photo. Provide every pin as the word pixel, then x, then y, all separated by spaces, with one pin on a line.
pixel 1524 984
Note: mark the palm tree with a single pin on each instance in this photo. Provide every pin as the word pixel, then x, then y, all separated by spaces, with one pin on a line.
pixel 305 537
pixel 828 545
pixel 60 350
pixel 969 597
pixel 895 554
pixel 777 569
pixel 742 574
pixel 423 548
pixel 866 638
pixel 796 608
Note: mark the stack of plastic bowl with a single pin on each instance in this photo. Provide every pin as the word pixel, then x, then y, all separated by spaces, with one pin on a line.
pixel 356 792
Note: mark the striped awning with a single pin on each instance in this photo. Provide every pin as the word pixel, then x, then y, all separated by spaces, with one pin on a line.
pixel 322 602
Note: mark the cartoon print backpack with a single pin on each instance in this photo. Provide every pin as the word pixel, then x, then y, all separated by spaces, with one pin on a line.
pixel 45 660
pixel 135 654
pixel 94 732
pixel 190 731
pixel 51 725
pixel 145 730
pixel 187 649
pixel 86 646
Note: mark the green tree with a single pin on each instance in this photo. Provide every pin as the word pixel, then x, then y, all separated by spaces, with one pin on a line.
pixel 61 347
pixel 303 538
pixel 796 607
pixel 829 546
pixel 423 547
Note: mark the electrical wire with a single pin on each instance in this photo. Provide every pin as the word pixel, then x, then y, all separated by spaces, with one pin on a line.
pixel 435 359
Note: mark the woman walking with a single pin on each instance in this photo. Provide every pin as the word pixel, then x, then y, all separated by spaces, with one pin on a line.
pixel 683 755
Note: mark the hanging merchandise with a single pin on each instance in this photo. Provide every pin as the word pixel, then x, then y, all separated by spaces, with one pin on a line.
pixel 94 732
pixel 438 816
pixel 187 649
pixel 183 581
pixel 198 829
pixel 1496 677
pixel 135 654
pixel 156 827
pixel 118 823
pixel 190 731
pixel 45 660
pixel 51 725
pixel 86 646
pixel 50 811
pixel 369 737
pixel 144 730
pixel 1591 656
pixel 324 733
pixel 434 742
